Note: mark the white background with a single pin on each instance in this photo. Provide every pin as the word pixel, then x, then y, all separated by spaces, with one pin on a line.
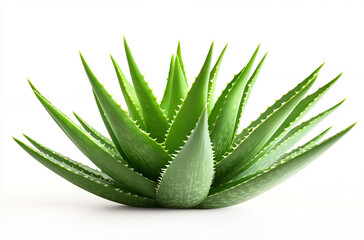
pixel 40 40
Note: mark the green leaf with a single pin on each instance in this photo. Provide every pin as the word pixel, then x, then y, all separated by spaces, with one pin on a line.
pixel 96 135
pixel 109 130
pixel 178 90
pixel 257 138
pixel 101 156
pixel 222 132
pixel 191 108
pixel 247 91
pixel 307 145
pixel 253 185
pixel 155 121
pixel 212 83
pixel 186 181
pixel 81 177
pixel 221 99
pixel 179 56
pixel 167 91
pixel 129 94
pixel 265 159
pixel 79 166
pixel 272 108
pixel 143 153
pixel 303 107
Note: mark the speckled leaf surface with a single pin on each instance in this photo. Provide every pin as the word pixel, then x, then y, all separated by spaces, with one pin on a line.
pixel 186 181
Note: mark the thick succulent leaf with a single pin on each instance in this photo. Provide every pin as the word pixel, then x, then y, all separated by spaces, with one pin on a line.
pixel 272 108
pixel 143 153
pixel 302 108
pixel 186 181
pixel 178 90
pixel 179 56
pixel 59 157
pixel 251 186
pixel 257 138
pixel 221 99
pixel 265 159
pixel 155 121
pixel 89 182
pixel 223 131
pixel 191 108
pixel 109 129
pixel 247 90
pixel 129 94
pixel 167 91
pixel 96 135
pixel 102 157
pixel 212 83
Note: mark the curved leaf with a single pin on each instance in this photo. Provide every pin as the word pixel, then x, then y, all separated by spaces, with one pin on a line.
pixel 265 159
pixel 93 184
pixel 257 138
pixel 272 108
pixel 143 153
pixel 253 185
pixel 102 157
pixel 186 181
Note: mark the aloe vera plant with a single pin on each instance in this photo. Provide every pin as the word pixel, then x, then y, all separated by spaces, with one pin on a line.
pixel 186 151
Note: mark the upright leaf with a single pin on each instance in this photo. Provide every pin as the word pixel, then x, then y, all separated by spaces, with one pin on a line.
pixel 129 94
pixel 179 56
pixel 223 131
pixel 221 99
pixel 167 91
pixel 191 108
pixel 144 154
pixel 247 90
pixel 155 121
pixel 212 83
pixel 178 90
pixel 186 181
